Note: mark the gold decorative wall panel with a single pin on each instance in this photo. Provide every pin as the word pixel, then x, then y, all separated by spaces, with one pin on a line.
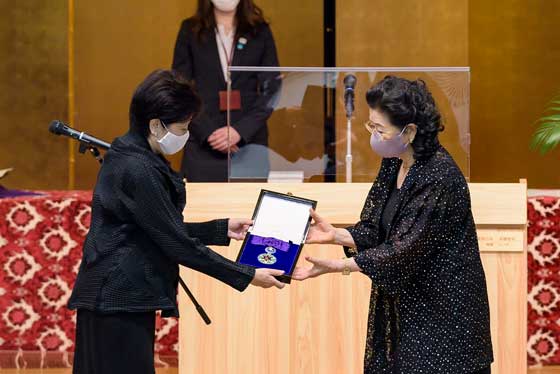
pixel 33 91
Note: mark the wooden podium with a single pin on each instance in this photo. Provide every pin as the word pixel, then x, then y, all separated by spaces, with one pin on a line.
pixel 319 326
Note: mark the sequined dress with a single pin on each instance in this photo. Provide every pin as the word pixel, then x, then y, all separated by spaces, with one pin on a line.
pixel 429 306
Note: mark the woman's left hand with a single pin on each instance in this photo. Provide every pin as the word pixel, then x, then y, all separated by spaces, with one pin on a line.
pixel 320 266
pixel 237 228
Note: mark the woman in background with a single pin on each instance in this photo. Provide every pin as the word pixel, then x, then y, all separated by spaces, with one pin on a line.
pixel 226 33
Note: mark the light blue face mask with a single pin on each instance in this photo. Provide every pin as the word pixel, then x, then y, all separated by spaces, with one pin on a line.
pixel 171 143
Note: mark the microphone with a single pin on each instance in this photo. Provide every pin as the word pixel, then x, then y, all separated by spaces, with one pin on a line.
pixel 60 128
pixel 349 84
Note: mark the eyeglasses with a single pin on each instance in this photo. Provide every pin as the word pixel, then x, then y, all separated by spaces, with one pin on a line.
pixel 370 126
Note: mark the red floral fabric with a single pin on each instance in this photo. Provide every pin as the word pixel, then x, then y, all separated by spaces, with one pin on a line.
pixel 41 241
pixel 543 280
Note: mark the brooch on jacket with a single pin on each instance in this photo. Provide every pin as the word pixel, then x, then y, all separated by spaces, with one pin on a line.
pixel 241 43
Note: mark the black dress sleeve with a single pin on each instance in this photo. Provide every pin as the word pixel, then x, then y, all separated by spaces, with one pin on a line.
pixel 183 63
pixel 153 210
pixel 182 54
pixel 366 231
pixel 416 236
pixel 363 233
pixel 210 233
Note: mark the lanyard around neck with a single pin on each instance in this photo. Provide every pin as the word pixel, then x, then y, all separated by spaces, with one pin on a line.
pixel 229 57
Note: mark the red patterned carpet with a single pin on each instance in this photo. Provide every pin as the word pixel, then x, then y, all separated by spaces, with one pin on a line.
pixel 40 250
pixel 544 280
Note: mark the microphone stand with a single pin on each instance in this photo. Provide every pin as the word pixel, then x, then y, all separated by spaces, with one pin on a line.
pixel 86 147
pixel 94 151
pixel 349 84
pixel 349 149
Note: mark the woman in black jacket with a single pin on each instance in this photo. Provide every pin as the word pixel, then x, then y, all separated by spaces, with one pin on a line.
pixel 138 237
pixel 227 33
pixel 416 240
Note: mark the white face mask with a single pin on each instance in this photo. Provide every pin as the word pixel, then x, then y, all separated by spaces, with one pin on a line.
pixel 171 143
pixel 225 5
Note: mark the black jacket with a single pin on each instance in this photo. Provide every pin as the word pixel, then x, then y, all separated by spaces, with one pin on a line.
pixel 199 61
pixel 137 236
pixel 429 306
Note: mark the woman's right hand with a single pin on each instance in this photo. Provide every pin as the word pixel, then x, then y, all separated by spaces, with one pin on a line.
pixel 265 278
pixel 320 232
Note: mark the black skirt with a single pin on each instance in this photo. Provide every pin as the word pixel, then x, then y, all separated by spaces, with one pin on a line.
pixel 118 343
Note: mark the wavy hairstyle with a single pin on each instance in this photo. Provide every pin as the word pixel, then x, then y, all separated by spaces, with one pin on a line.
pixel 404 102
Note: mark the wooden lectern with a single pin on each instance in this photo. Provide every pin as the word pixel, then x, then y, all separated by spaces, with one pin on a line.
pixel 319 326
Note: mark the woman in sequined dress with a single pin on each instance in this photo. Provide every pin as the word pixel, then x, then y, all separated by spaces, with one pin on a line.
pixel 416 240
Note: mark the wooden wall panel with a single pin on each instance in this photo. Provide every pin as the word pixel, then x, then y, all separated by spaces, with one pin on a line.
pixel 298 30
pixel 506 274
pixel 514 52
pixel 402 33
pixel 117 44
pixel 305 328
pixel 33 92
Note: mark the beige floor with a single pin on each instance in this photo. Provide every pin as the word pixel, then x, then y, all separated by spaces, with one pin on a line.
pixel 545 370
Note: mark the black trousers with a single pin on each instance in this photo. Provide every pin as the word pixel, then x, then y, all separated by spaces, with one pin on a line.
pixel 118 343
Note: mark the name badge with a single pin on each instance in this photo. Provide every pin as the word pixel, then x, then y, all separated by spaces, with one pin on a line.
pixel 234 100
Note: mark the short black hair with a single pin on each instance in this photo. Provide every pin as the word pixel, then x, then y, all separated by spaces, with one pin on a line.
pixel 165 95
pixel 403 102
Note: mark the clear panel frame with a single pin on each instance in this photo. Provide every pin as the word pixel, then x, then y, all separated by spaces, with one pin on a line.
pixel 296 127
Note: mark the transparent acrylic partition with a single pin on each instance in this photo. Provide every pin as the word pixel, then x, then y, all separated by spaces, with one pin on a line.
pixel 295 128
